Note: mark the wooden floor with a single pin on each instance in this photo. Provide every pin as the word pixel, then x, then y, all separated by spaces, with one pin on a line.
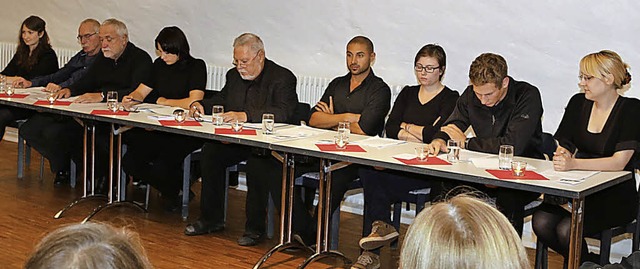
pixel 27 207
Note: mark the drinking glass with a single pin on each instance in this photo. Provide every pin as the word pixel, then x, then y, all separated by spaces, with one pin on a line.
pixel 518 168
pixel 505 156
pixel 344 127
pixel 8 89
pixel 268 120
pixel 51 97
pixel 179 115
pixel 237 126
pixel 341 140
pixel 453 154
pixel 422 153
pixel 3 82
pixel 112 100
pixel 217 115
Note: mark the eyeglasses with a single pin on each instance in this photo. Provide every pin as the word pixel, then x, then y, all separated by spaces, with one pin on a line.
pixel 244 62
pixel 583 77
pixel 87 36
pixel 428 68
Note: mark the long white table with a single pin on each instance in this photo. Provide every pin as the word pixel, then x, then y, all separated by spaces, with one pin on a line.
pixel 463 171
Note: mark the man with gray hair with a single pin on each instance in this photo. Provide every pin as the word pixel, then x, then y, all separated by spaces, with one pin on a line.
pixel 37 129
pixel 254 87
pixel 121 67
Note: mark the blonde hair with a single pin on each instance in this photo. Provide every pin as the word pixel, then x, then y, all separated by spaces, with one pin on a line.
pixel 605 62
pixel 463 232
pixel 89 245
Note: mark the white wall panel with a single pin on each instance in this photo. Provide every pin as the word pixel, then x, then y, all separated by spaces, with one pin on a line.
pixel 541 40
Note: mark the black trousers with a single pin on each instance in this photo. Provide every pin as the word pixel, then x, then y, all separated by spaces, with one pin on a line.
pixel 264 177
pixel 384 188
pixel 157 158
pixel 9 114
pixel 55 137
pixel 216 157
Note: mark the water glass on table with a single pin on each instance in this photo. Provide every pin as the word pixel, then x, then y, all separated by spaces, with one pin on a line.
pixel 505 156
pixel 51 97
pixel 422 153
pixel 8 89
pixel 453 151
pixel 112 101
pixel 237 126
pixel 518 168
pixel 268 122
pixel 217 111
pixel 179 115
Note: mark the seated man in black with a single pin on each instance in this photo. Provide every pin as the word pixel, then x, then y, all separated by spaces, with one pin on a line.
pixel 361 98
pixel 41 138
pixel 254 87
pixel 501 111
pixel 121 67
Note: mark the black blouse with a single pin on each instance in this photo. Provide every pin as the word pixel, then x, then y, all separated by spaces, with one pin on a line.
pixel 47 64
pixel 620 131
pixel 177 80
pixel 407 108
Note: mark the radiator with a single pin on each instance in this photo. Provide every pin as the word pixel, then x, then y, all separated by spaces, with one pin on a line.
pixel 309 89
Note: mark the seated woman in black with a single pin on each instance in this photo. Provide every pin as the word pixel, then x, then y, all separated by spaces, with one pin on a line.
pixel 177 80
pixel 417 114
pixel 34 57
pixel 598 131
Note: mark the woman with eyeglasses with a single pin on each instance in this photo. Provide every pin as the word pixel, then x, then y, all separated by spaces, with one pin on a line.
pixel 599 131
pixel 34 57
pixel 417 114
pixel 177 80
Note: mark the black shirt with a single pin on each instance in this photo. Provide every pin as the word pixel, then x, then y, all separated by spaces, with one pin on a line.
pixel 619 133
pixel 47 63
pixel 122 75
pixel 273 91
pixel 516 120
pixel 407 108
pixel 177 80
pixel 371 99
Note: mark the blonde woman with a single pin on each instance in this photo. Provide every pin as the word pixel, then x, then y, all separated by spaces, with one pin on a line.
pixel 463 232
pixel 89 245
pixel 599 131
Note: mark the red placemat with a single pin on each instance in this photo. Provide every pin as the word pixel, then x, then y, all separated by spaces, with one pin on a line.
pixel 333 147
pixel 229 131
pixel 427 161
pixel 175 123
pixel 109 112
pixel 15 95
pixel 56 103
pixel 507 174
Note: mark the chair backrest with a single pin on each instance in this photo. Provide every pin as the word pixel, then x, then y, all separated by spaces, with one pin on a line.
pixel 302 113
pixel 548 145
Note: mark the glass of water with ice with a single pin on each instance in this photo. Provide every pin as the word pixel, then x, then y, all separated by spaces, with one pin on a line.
pixel 112 101
pixel 505 156
pixel 217 111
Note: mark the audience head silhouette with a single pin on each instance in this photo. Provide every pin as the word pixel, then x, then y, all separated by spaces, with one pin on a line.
pixel 89 245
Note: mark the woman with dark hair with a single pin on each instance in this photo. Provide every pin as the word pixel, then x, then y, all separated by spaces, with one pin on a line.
pixel 177 79
pixel 599 131
pixel 417 114
pixel 34 57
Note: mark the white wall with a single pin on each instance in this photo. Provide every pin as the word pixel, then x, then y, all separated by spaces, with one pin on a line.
pixel 542 40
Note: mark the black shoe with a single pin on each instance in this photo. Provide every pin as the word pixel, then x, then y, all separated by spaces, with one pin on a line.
pixel 250 239
pixel 203 227
pixel 171 204
pixel 62 177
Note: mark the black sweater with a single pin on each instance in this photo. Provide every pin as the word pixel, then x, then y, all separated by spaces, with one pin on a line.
pixel 47 63
pixel 516 120
pixel 122 75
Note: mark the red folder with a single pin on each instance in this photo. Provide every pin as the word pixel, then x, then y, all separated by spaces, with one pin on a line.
pixel 229 131
pixel 333 147
pixel 15 95
pixel 427 161
pixel 175 123
pixel 55 103
pixel 508 175
pixel 109 112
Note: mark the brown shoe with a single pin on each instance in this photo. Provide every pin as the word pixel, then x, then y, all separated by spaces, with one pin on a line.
pixel 367 260
pixel 381 234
